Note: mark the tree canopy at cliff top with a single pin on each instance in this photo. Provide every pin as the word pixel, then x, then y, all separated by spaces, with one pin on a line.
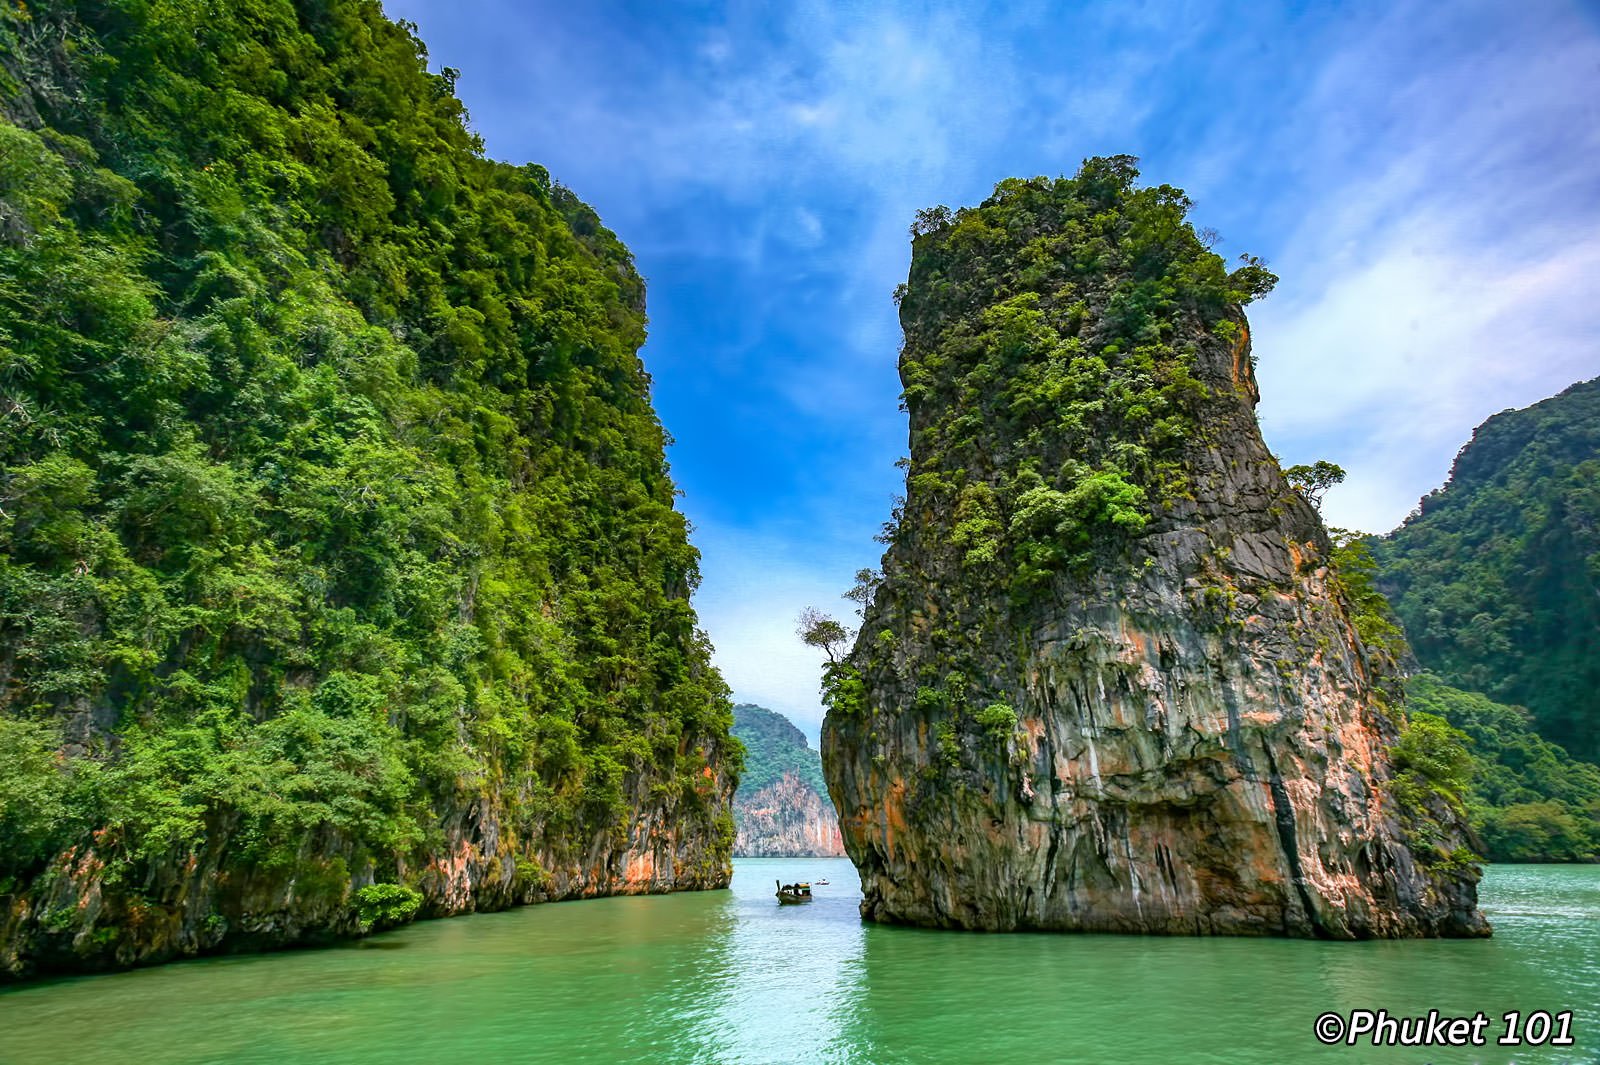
pixel 773 747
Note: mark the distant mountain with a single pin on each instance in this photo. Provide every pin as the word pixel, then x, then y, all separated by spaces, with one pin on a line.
pixel 1496 578
pixel 781 808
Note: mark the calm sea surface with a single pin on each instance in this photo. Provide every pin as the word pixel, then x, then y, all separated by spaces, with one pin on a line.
pixel 729 976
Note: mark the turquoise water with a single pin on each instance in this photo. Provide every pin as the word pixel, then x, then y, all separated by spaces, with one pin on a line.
pixel 729 976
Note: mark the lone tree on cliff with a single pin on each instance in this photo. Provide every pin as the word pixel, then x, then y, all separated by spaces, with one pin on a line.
pixel 817 629
pixel 1314 480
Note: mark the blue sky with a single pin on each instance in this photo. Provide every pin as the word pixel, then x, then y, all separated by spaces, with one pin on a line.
pixel 1423 176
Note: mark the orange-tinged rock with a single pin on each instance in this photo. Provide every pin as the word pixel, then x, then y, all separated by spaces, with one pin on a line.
pixel 1199 742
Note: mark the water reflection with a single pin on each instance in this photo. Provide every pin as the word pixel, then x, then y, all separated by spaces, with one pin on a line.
pixel 794 971
pixel 934 996
pixel 732 977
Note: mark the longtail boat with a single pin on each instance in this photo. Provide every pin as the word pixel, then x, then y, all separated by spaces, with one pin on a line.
pixel 790 894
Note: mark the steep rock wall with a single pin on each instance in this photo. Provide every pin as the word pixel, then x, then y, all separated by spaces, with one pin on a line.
pixel 788 819
pixel 88 914
pixel 1108 680
pixel 780 809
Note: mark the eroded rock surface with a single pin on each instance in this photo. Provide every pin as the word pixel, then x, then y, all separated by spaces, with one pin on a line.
pixel 781 808
pixel 788 819
pixel 90 915
pixel 1150 711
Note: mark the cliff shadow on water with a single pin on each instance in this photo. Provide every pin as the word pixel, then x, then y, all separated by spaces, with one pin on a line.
pixel 1110 677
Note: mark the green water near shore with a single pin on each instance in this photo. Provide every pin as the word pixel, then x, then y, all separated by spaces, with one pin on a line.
pixel 729 976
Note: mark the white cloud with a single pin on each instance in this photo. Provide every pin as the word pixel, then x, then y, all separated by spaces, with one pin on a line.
pixel 1443 271
pixel 753 587
pixel 1425 326
pixel 1388 368
pixel 808 232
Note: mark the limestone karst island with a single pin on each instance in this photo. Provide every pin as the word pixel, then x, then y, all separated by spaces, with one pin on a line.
pixel 1112 677
pixel 630 534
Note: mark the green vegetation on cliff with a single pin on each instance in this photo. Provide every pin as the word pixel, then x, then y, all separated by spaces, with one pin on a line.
pixel 782 807
pixel 1356 572
pixel 331 496
pixel 1051 370
pixel 1497 578
pixel 773 747
pixel 1529 800
pixel 1060 317
pixel 1105 612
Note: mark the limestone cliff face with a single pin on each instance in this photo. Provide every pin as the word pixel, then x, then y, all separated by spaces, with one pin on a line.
pixel 780 810
pixel 93 916
pixel 787 819
pixel 342 581
pixel 1148 710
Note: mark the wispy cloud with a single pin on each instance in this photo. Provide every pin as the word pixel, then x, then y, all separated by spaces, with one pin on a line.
pixel 756 584
pixel 1421 175
pixel 1448 252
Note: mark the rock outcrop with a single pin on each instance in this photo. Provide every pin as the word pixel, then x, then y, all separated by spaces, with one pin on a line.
pixel 780 809
pixel 84 914
pixel 788 819
pixel 1108 680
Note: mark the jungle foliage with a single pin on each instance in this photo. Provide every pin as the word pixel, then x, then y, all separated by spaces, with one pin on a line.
pixel 1527 798
pixel 1050 358
pixel 773 746
pixel 1356 572
pixel 330 489
pixel 1496 578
